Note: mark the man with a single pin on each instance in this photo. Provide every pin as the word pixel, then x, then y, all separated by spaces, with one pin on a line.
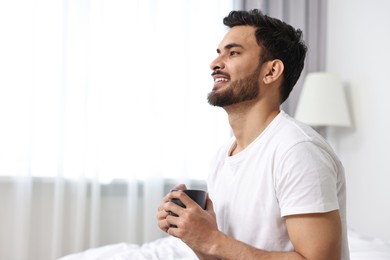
pixel 276 190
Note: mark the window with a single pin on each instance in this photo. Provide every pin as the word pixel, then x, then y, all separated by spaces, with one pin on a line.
pixel 109 89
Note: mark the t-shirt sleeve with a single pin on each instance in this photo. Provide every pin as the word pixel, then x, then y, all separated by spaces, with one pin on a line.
pixel 306 180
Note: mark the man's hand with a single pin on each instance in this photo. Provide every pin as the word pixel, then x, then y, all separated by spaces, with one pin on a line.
pixel 162 214
pixel 193 225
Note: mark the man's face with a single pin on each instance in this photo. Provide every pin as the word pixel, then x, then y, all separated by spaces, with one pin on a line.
pixel 236 70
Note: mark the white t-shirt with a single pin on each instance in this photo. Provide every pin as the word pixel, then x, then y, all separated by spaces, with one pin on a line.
pixel 288 169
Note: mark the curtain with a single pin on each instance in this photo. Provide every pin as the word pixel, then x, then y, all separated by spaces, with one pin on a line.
pixel 102 109
pixel 310 17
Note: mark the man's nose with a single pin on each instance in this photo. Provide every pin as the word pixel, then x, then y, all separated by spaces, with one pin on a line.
pixel 217 64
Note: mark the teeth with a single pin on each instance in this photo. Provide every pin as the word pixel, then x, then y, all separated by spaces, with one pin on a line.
pixel 220 79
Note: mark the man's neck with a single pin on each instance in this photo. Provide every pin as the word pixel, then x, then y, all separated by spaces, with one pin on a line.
pixel 248 120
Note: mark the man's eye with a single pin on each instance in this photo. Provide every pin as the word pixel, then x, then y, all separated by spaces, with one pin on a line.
pixel 234 53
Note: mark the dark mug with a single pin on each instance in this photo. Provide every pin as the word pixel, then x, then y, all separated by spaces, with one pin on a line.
pixel 199 196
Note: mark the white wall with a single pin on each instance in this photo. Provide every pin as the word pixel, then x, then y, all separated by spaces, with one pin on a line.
pixel 358 49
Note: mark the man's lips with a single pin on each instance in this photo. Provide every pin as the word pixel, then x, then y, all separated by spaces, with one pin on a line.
pixel 219 73
pixel 220 78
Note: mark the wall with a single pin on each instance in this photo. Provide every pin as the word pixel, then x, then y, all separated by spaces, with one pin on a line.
pixel 358 49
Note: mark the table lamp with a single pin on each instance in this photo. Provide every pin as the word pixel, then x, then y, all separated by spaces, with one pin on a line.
pixel 323 102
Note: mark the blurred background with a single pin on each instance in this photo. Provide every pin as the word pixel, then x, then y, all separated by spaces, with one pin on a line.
pixel 103 109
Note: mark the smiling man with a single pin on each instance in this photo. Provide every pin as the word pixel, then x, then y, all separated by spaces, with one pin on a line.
pixel 276 189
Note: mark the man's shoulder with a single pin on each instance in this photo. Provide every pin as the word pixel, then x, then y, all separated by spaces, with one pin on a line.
pixel 290 131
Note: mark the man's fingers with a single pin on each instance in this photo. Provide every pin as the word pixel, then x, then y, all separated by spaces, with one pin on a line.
pixel 172 220
pixel 180 187
pixel 173 207
pixel 162 214
pixel 184 198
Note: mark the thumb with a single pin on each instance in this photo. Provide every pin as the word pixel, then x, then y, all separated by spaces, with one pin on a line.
pixel 180 187
pixel 209 203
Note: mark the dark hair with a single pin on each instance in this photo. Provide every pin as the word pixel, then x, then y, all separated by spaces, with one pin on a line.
pixel 278 41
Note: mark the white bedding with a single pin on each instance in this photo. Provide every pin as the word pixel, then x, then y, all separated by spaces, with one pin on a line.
pixel 363 247
pixel 170 248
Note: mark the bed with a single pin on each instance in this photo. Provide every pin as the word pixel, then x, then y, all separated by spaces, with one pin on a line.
pixel 361 248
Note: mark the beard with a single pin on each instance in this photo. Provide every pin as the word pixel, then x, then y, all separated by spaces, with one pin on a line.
pixel 238 91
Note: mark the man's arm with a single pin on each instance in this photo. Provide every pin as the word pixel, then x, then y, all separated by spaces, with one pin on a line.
pixel 314 236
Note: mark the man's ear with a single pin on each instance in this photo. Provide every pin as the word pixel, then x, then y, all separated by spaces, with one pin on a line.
pixel 273 71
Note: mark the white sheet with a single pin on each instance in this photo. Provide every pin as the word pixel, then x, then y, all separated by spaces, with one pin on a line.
pixel 363 247
pixel 170 248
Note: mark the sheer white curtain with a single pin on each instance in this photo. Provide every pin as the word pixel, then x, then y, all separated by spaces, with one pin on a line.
pixel 101 102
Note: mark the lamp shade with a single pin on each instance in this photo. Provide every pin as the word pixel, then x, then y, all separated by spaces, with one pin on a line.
pixel 323 101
